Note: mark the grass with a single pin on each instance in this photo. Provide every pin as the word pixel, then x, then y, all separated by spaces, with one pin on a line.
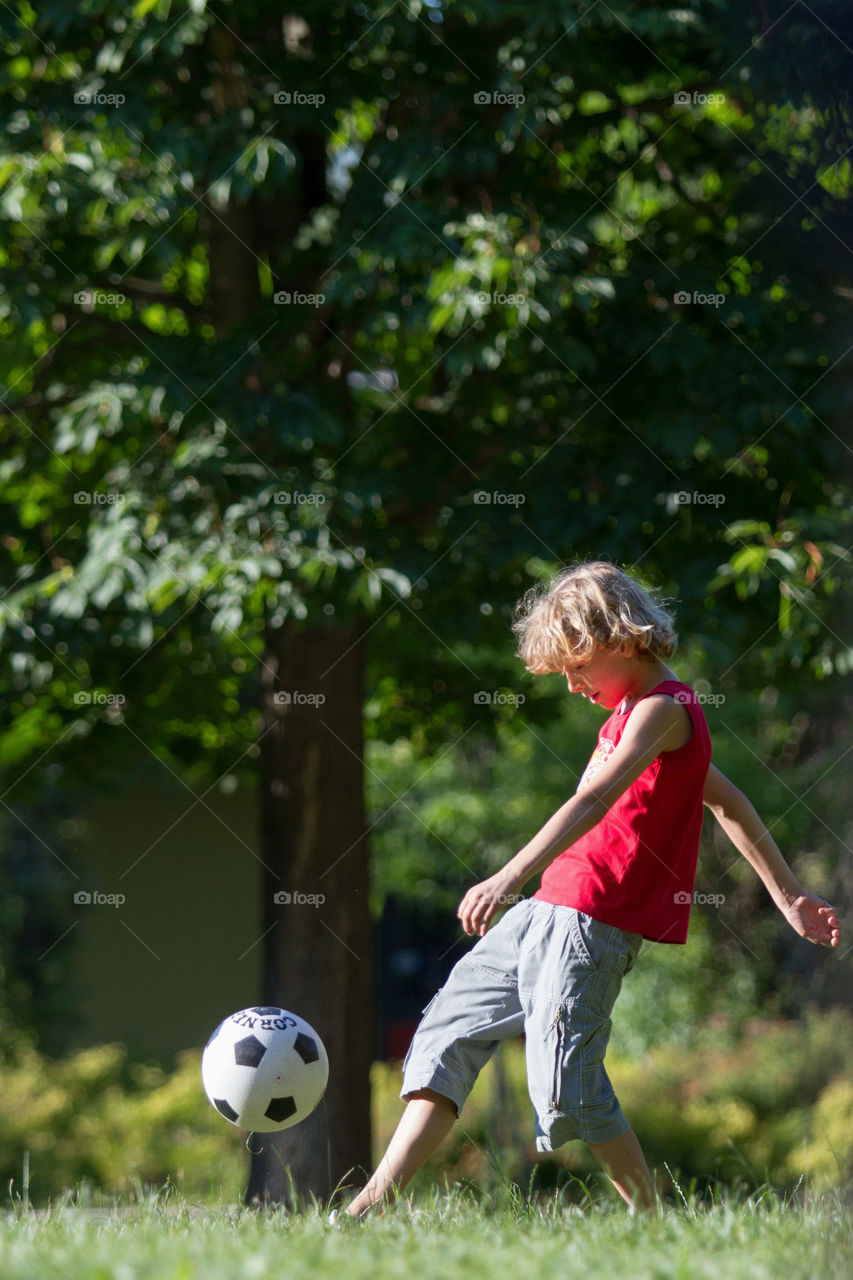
pixel 436 1237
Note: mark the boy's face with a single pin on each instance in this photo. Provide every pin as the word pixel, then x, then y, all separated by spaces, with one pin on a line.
pixel 605 678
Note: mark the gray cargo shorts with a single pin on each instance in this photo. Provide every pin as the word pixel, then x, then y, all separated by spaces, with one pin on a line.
pixel 554 974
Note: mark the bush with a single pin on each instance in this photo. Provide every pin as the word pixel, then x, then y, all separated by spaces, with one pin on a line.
pixel 96 1121
pixel 827 1157
pixel 771 1104
pixel 742 1110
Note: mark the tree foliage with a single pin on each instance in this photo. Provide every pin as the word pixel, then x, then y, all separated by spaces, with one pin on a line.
pixel 385 312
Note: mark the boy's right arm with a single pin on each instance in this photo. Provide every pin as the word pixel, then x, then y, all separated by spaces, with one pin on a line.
pixel 654 726
pixel 808 915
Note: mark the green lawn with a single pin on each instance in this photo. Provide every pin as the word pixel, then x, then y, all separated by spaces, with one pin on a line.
pixel 444 1236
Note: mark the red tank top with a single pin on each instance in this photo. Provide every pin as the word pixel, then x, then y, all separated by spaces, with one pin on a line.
pixel 636 867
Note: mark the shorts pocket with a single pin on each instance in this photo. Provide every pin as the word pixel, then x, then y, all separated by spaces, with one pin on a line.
pixel 427 1007
pixel 594 1082
pixel 576 1040
pixel 582 942
pixel 632 951
pixel 556 1040
pixel 424 1015
pixel 602 943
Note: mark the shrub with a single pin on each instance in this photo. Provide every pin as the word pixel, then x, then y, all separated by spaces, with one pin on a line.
pixel 772 1104
pixel 94 1120
pixel 766 1106
pixel 827 1156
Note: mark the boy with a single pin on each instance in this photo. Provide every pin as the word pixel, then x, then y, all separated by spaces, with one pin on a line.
pixel 619 861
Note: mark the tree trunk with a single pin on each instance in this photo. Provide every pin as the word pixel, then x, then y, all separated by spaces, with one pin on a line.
pixel 318 959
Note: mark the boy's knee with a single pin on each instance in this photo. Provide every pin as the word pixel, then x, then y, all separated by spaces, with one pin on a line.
pixel 432 1095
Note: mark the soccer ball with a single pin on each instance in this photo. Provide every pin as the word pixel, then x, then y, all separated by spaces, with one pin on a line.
pixel 264 1069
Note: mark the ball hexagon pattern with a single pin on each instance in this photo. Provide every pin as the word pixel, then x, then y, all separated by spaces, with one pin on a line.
pixel 264 1069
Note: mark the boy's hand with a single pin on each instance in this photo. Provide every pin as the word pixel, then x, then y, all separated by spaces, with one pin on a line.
pixel 483 900
pixel 813 918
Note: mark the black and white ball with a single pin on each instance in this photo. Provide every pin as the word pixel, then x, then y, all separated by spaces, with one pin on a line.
pixel 264 1069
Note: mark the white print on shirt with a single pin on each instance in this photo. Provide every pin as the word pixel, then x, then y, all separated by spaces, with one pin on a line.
pixel 603 751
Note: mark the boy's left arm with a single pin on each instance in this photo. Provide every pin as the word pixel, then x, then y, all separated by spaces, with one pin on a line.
pixel 811 917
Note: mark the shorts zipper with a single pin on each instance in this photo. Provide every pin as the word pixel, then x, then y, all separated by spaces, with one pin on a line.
pixel 558 1023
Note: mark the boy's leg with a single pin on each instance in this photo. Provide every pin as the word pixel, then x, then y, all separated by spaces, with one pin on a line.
pixel 623 1161
pixel 476 1008
pixel 428 1118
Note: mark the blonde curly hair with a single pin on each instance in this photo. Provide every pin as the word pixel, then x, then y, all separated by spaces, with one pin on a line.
pixel 591 604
